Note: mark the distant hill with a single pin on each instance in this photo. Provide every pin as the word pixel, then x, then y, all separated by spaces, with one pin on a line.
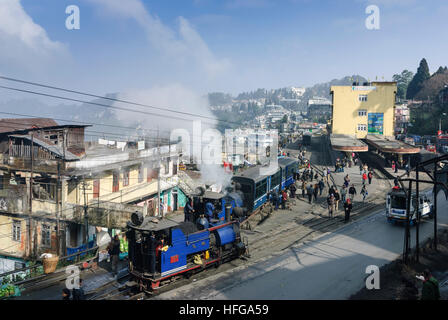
pixel 432 86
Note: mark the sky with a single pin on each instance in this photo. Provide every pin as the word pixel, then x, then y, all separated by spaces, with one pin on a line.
pixel 215 45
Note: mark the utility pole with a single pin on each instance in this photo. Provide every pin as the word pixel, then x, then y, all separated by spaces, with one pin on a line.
pixel 86 237
pixel 417 227
pixel 158 175
pixel 58 208
pixel 407 240
pixel 435 205
pixel 30 231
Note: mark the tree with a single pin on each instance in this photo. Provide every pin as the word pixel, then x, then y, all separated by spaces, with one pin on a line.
pixel 402 80
pixel 417 81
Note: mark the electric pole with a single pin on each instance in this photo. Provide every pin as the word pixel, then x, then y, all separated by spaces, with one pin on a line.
pixel 86 237
pixel 158 175
pixel 30 230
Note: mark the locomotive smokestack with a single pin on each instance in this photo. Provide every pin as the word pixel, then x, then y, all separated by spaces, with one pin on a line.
pixel 228 208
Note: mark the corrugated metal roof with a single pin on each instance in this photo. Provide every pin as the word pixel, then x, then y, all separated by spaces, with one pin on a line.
pixel 11 125
pixel 57 150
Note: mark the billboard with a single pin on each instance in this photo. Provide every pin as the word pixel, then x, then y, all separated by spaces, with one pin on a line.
pixel 375 123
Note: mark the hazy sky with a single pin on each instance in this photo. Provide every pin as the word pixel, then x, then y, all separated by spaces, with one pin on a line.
pixel 211 45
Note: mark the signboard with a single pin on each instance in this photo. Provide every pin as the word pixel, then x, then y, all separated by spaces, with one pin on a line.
pixel 375 123
pixel 141 145
pixel 363 88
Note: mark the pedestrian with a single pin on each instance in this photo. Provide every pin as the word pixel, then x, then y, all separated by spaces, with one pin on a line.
pixel 430 290
pixel 370 176
pixel 364 178
pixel 337 197
pixel 364 192
pixel 331 190
pixel 330 203
pixel 65 294
pixel 284 198
pixel 276 200
pixel 321 186
pixel 343 193
pixel 396 182
pixel 311 174
pixel 316 191
pixel 114 252
pixel 326 176
pixel 188 211
pixel 309 192
pixel 408 169
pixel 303 188
pixel 393 165
pixel 352 192
pixel 396 168
pixel 78 294
pixel 316 176
pixel 346 181
pixel 293 189
pixel 360 168
pixel 347 208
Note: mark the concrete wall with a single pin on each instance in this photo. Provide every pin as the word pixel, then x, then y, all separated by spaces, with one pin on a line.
pixel 380 99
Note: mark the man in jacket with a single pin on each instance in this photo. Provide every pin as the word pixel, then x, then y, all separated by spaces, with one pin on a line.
pixel 188 211
pixel 114 252
pixel 352 192
pixel 321 186
pixel 330 203
pixel 347 208
pixel 430 290
pixel 309 192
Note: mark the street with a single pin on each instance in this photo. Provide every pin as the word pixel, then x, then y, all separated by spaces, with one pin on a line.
pixel 330 267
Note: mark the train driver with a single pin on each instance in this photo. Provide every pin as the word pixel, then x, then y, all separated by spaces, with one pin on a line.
pixel 209 210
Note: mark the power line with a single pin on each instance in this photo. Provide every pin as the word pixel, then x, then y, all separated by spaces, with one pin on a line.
pixel 111 99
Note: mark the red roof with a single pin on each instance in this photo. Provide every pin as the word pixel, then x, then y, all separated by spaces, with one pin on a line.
pixel 11 125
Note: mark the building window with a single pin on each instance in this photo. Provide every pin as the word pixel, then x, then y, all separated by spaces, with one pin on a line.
pixel 140 174
pixel 46 235
pixel 362 127
pixel 17 230
pixel 362 97
pixel 362 113
pixel 126 177
pixel 115 182
pixel 96 188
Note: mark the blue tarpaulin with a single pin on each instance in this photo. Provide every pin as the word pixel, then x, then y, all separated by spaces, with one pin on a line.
pixel 82 247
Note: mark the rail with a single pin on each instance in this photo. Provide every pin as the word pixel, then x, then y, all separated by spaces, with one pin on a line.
pixel 36 271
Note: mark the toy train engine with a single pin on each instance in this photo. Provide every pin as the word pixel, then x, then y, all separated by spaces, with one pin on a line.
pixel 161 249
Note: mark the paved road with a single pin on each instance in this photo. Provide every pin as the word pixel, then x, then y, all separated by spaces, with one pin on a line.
pixel 330 267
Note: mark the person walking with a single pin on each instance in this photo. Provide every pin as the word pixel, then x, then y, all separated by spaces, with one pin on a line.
pixel 393 166
pixel 330 203
pixel 276 200
pixel 78 294
pixel 360 167
pixel 352 192
pixel 364 178
pixel 293 189
pixel 370 176
pixel 315 191
pixel 364 192
pixel 331 190
pixel 309 192
pixel 396 168
pixel 114 252
pixel 337 198
pixel 430 290
pixel 346 181
pixel 347 209
pixel 321 186
pixel 284 198
pixel 343 193
pixel 311 174
pixel 303 188
pixel 408 169
pixel 326 176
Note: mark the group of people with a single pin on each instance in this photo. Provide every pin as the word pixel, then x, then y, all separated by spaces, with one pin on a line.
pixel 279 198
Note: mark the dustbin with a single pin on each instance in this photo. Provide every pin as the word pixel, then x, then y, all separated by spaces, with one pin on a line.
pixel 50 264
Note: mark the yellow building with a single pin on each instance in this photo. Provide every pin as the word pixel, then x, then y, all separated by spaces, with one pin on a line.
pixel 364 110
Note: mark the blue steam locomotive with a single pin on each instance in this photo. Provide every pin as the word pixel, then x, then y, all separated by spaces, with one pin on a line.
pixel 162 249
